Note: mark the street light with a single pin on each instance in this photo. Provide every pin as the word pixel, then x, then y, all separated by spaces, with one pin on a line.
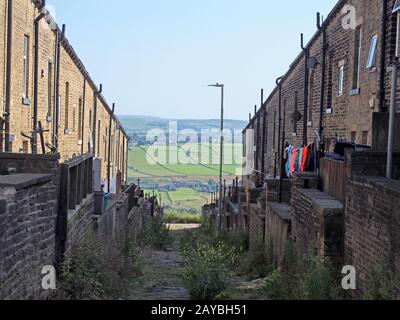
pixel 217 85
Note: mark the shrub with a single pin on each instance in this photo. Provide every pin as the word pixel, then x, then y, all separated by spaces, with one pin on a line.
pixel 301 279
pixel 318 281
pixel 97 269
pixel 278 285
pixel 257 263
pixel 208 269
pixel 239 241
pixel 156 234
pixel 381 285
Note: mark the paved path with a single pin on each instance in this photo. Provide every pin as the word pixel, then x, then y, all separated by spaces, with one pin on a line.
pixel 162 271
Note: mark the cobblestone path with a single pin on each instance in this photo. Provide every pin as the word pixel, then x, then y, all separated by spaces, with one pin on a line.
pixel 162 271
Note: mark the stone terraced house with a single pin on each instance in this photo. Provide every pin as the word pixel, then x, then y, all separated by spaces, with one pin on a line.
pixel 336 96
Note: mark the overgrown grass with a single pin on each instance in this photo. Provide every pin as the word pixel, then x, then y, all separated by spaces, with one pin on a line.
pixel 208 269
pixel 301 278
pixel 381 285
pixel 155 234
pixel 99 269
pixel 174 217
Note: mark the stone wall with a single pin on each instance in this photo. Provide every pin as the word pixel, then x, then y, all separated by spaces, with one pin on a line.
pixel 372 228
pixel 317 221
pixel 29 163
pixel 256 218
pixel 80 222
pixel 278 228
pixel 28 210
pixel 370 163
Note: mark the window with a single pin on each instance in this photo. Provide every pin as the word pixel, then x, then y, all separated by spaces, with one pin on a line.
pixel 372 53
pixel 90 120
pixel 25 146
pixel 49 88
pixel 330 83
pixel 341 81
pixel 357 58
pixel 354 137
pixel 66 105
pixel 274 133
pixel 364 140
pixel 396 7
pixel 59 111
pixel 98 138
pixel 311 99
pixel 74 118
pixel 80 119
pixel 26 68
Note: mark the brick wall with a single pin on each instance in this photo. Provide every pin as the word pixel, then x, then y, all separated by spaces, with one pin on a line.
pixel 278 228
pixel 76 102
pixel 28 209
pixel 256 220
pixel 346 116
pixel 370 163
pixel 317 222
pixel 372 225
pixel 80 222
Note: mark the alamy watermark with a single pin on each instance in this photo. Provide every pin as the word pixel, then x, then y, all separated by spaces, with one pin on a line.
pixel 191 147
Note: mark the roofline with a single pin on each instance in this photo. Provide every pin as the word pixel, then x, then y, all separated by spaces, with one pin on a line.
pixel 314 38
pixel 78 62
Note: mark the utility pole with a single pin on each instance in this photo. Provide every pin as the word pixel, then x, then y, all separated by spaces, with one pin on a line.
pixel 221 86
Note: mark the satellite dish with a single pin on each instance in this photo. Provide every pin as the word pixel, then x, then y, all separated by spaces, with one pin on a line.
pixel 312 63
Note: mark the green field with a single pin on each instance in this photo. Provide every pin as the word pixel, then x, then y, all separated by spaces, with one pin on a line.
pixel 184 187
pixel 139 166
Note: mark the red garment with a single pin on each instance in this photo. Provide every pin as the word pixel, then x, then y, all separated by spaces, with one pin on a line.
pixel 304 159
pixel 293 164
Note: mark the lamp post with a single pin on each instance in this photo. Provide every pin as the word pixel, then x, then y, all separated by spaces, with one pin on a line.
pixel 221 86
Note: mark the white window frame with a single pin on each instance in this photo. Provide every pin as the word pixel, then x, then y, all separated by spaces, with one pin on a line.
pixel 341 81
pixel 25 89
pixel 371 64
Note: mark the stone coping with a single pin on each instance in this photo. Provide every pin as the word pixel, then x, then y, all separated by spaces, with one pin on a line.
pixel 322 201
pixel 380 182
pixel 20 156
pixel 281 209
pixel 24 180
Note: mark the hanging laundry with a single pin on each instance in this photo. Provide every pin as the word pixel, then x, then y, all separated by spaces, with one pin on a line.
pixel 304 159
pixel 289 150
pixel 293 161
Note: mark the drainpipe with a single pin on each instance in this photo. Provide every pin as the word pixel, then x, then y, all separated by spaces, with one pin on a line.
pixel 36 82
pixel 383 58
pixel 109 148
pixel 83 114
pixel 257 123
pixel 95 96
pixel 306 79
pixel 392 117
pixel 8 76
pixel 264 142
pixel 323 65
pixel 128 139
pixel 281 144
pixel 60 39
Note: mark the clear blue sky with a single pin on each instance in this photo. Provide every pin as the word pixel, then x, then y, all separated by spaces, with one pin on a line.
pixel 156 57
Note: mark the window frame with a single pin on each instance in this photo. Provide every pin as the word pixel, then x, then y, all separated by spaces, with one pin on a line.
pixel 357 59
pixel 341 81
pixel 66 107
pixel 49 88
pixel 371 62
pixel 26 67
